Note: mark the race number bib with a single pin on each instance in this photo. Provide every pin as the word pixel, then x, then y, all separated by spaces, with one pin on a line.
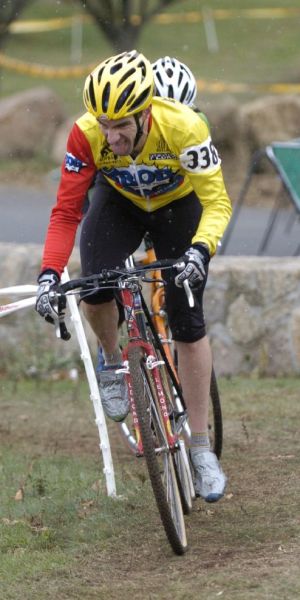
pixel 200 159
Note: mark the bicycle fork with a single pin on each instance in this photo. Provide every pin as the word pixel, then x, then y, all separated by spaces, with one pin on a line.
pixel 152 365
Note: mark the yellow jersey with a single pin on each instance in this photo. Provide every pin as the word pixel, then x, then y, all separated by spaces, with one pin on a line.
pixel 177 158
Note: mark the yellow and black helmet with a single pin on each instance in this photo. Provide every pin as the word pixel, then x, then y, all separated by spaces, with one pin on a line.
pixel 120 86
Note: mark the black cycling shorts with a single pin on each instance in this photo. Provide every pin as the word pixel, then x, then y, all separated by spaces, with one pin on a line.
pixel 114 227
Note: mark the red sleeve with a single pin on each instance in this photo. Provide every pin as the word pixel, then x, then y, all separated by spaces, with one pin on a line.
pixel 77 173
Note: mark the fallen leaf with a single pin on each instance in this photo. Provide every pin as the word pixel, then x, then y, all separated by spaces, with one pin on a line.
pixel 19 495
pixel 97 486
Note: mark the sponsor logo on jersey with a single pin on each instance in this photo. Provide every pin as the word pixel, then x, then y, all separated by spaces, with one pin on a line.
pixel 73 164
pixel 106 153
pixel 162 146
pixel 144 180
pixel 162 156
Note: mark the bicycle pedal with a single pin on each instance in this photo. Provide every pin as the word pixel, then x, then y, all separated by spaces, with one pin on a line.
pixel 124 369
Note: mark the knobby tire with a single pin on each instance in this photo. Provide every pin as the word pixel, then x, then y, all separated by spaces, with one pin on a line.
pixel 170 508
pixel 216 427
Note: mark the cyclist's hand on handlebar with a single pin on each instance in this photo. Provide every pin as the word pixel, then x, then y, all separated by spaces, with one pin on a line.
pixel 193 266
pixel 48 304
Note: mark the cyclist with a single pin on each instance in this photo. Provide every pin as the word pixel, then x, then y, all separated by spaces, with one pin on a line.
pixel 174 79
pixel 157 171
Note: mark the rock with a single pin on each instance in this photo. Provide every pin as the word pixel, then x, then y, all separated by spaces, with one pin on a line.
pixel 224 120
pixel 28 121
pixel 60 140
pixel 269 119
pixel 251 307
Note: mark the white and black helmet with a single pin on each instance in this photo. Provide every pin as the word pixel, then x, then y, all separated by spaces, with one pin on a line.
pixel 173 79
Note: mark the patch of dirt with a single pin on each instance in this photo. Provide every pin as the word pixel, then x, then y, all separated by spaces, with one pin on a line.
pixel 245 546
pixel 68 432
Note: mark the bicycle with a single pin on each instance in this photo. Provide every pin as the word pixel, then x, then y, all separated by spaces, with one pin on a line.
pixel 159 316
pixel 158 432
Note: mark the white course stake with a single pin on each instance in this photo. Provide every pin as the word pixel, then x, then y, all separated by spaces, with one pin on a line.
pixel 6 309
pixel 94 391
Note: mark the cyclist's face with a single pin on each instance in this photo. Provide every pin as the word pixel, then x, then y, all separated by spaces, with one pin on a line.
pixel 120 134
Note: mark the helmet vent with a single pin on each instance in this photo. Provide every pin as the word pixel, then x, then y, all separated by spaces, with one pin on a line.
pixel 159 77
pixel 171 92
pixel 125 76
pixel 184 92
pixel 100 74
pixel 141 98
pixel 115 68
pixel 92 94
pixel 133 57
pixel 105 97
pixel 142 66
pixel 123 97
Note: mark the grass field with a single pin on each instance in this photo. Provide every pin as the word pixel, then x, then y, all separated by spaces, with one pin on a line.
pixel 61 537
pixel 251 50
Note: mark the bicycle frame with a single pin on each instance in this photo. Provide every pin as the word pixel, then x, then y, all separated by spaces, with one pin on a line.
pixel 137 336
pixel 157 305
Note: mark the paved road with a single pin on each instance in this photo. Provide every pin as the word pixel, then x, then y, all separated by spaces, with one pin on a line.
pixel 25 213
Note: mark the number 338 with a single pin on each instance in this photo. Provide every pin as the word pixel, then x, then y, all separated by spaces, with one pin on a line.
pixel 202 158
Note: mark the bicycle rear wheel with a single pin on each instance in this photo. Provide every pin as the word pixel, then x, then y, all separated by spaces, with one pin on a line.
pixel 158 457
pixel 215 421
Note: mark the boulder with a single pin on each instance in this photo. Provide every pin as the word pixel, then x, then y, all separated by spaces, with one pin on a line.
pixel 60 140
pixel 224 120
pixel 251 307
pixel 269 119
pixel 28 121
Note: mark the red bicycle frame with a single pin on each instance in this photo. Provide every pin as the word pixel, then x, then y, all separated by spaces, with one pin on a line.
pixel 137 336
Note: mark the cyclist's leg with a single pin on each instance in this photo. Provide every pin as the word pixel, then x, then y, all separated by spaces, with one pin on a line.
pixel 187 325
pixel 109 235
pixel 180 221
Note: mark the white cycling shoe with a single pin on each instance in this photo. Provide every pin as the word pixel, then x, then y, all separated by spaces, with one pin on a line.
pixel 210 481
pixel 113 393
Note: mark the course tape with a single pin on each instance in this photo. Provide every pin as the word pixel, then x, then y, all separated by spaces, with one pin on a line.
pixel 218 87
pixel 66 72
pixel 213 87
pixel 45 71
pixel 39 25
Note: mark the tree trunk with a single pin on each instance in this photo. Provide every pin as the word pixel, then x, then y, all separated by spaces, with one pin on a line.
pixel 125 39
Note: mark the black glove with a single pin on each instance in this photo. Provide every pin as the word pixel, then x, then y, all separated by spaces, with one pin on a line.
pixel 193 266
pixel 47 307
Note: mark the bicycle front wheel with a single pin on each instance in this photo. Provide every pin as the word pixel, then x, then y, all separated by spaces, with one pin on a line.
pixel 159 459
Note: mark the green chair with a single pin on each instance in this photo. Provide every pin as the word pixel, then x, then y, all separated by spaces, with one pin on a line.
pixel 285 158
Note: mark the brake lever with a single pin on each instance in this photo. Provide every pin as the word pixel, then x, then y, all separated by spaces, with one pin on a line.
pixel 187 289
pixel 60 325
pixel 189 293
pixel 61 329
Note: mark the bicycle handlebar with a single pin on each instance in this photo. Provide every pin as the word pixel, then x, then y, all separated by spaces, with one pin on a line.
pixel 114 275
pixel 110 275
